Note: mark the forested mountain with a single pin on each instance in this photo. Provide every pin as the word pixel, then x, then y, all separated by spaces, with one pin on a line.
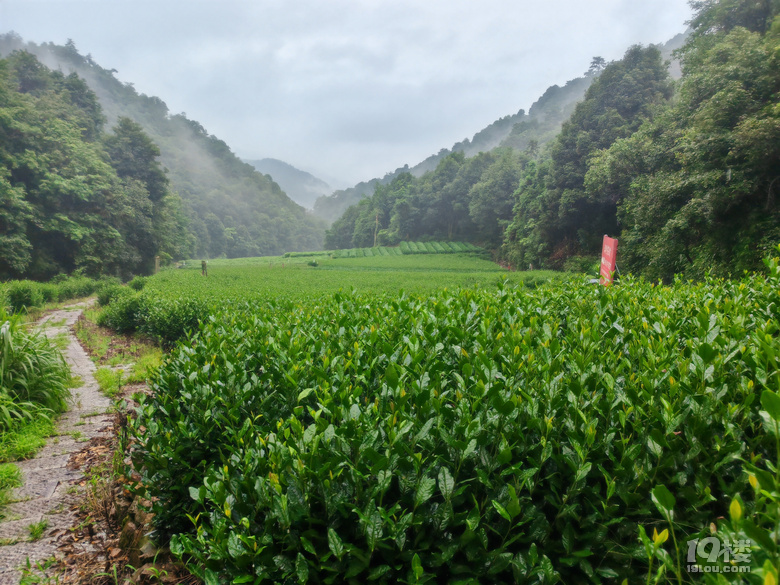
pixel 300 186
pixel 73 197
pixel 473 198
pixel 696 187
pixel 685 172
pixel 518 131
pixel 226 207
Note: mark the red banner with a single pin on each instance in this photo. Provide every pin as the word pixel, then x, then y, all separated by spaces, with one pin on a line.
pixel 608 260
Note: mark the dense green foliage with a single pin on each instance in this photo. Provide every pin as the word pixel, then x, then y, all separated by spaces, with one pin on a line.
pixel 463 199
pixel 685 174
pixel 224 207
pixel 697 185
pixel 494 434
pixel 71 197
pixel 33 375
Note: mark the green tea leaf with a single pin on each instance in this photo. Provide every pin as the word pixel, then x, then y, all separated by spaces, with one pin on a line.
pixel 417 567
pixel 762 537
pixel 664 501
pixel 235 547
pixel 373 527
pixel 304 393
pixel 391 375
pixel 470 449
pixel 771 403
pixel 502 511
pixel 335 544
pixel 424 490
pixel 302 569
pixel 472 520
pixel 446 483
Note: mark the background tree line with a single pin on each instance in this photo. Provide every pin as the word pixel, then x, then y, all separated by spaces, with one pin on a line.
pixel 685 172
pixel 72 196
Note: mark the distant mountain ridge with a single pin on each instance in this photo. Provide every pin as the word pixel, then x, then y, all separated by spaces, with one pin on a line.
pixel 300 186
pixel 519 131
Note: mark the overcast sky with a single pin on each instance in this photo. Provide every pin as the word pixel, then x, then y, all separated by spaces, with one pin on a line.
pixel 346 89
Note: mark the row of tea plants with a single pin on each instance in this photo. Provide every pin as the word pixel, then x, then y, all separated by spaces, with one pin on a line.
pixel 484 435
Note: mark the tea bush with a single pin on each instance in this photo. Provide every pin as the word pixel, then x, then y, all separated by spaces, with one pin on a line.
pixel 485 435
pixel 138 283
pixel 110 292
pixel 169 319
pixel 173 301
pixel 122 314
pixel 76 287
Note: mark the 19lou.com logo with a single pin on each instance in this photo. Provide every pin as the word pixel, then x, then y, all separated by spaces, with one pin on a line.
pixel 704 554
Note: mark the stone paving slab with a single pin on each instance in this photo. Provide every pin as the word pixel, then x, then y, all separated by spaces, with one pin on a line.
pixel 48 489
pixel 18 529
pixel 26 509
pixel 59 445
pixel 39 463
pixel 84 429
pixel 18 555
pixel 34 489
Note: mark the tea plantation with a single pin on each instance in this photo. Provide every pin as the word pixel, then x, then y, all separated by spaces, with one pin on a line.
pixel 485 433
pixel 176 300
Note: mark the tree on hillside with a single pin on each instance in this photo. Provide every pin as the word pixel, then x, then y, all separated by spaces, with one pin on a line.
pixel 63 207
pixel 703 178
pixel 491 198
pixel 597 64
pixel 721 16
pixel 569 219
pixel 198 164
pixel 135 156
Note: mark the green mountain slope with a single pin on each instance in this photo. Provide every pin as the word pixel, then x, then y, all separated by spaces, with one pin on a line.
pixel 684 173
pixel 231 209
pixel 72 196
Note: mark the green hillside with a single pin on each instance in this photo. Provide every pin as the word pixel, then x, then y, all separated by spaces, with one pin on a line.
pixel 229 208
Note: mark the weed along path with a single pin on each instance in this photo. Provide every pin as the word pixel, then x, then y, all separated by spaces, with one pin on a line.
pixel 41 509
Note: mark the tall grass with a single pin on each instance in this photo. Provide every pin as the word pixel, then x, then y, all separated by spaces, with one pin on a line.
pixel 33 374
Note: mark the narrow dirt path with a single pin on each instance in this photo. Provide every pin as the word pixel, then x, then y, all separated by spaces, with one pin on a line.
pixel 50 487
